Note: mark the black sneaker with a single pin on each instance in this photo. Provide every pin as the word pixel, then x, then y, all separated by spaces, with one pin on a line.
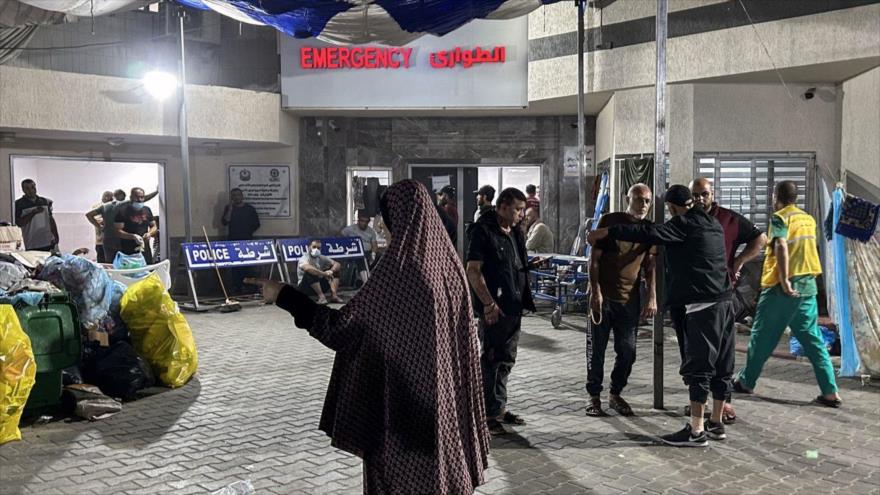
pixel 685 438
pixel 495 427
pixel 715 431
pixel 740 389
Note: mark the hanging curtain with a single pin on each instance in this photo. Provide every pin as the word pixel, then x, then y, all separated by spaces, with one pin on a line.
pixel 12 40
pixel 849 356
pixel 864 293
pixel 635 171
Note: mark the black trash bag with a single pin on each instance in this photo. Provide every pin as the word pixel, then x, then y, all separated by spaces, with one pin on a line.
pixel 120 372
pixel 71 376
pixel 87 402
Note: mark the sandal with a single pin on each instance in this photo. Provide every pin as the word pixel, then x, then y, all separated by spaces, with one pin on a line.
pixel 495 428
pixel 835 403
pixel 595 408
pixel 512 419
pixel 728 416
pixel 621 406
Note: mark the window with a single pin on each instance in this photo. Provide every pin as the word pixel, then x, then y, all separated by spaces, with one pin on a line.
pixel 745 183
pixel 384 176
pixel 503 177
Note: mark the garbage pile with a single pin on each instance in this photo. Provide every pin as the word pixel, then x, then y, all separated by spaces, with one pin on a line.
pixel 64 322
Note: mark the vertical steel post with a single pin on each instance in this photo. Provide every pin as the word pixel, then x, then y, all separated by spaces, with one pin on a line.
pixel 581 128
pixel 184 137
pixel 659 189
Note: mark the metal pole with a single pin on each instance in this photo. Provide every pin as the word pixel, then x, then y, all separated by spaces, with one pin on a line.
pixel 659 188
pixel 184 138
pixel 582 193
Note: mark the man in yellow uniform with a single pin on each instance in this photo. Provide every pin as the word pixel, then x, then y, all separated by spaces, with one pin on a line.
pixel 788 296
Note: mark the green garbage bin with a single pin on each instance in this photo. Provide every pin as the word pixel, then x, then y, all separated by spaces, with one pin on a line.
pixel 53 327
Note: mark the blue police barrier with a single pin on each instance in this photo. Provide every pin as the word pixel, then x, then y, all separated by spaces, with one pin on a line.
pixel 336 248
pixel 226 254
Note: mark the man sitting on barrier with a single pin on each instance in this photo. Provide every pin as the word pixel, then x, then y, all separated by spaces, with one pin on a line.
pixel 318 273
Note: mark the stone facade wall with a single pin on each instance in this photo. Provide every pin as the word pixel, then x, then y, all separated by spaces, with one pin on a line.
pixel 327 150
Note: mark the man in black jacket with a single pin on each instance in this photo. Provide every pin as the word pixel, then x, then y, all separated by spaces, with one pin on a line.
pixel 497 269
pixel 696 278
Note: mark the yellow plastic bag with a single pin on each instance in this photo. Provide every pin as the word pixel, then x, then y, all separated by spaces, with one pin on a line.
pixel 159 331
pixel 17 371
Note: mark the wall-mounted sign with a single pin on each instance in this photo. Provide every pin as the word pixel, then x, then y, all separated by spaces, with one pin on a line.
pixel 483 64
pixel 570 161
pixel 265 187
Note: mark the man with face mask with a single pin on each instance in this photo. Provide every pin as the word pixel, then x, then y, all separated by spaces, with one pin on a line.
pixel 318 274
pixel 107 213
pixel 697 279
pixel 616 268
pixel 33 214
pixel 135 226
pixel 497 270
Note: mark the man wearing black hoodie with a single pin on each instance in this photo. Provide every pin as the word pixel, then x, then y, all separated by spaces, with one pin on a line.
pixel 696 278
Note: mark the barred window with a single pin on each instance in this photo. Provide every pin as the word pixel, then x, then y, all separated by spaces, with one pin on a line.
pixel 745 183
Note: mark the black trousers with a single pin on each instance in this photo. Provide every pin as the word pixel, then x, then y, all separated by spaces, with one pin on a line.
pixel 99 253
pixel 623 320
pixel 497 359
pixel 305 285
pixel 110 253
pixel 707 341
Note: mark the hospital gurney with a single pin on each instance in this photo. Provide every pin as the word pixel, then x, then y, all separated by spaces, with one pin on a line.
pixel 564 280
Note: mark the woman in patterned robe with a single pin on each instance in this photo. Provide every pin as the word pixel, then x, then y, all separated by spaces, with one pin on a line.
pixel 405 394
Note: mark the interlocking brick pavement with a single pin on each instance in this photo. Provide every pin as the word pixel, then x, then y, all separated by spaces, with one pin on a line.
pixel 252 413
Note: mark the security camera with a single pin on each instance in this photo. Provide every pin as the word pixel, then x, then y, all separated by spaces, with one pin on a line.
pixel 809 94
pixel 333 125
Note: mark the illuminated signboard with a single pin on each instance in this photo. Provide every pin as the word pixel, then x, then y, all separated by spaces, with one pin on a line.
pixel 481 65
pixel 373 57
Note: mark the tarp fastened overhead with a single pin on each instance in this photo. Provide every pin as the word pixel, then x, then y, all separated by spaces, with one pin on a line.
pixel 393 22
pixel 85 8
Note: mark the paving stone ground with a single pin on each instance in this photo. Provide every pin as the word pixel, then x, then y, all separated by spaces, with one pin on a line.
pixel 251 413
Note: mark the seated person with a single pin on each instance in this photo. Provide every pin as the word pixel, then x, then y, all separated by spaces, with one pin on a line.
pixel 369 239
pixel 318 273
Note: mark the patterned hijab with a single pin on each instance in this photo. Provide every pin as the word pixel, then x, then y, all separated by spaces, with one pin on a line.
pixel 406 393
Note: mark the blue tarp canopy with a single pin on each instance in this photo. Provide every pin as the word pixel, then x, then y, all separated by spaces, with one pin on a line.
pixel 393 22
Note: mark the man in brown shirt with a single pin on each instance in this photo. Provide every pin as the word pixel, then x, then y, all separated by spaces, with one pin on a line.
pixel 615 302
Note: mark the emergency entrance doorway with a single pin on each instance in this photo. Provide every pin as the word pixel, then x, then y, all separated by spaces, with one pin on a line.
pixel 75 186
pixel 468 178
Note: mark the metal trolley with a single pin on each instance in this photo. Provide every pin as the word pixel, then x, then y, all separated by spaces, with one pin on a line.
pixel 563 281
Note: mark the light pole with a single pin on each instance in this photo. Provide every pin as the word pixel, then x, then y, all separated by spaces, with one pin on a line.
pixel 160 85
pixel 184 137
pixel 659 188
